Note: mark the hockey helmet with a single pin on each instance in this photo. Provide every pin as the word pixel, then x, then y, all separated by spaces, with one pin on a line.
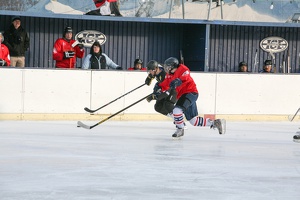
pixel 268 62
pixel 243 63
pixel 138 61
pixel 68 29
pixel 152 65
pixel 170 64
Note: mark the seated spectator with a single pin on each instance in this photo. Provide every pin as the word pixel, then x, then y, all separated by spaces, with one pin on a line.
pixel 98 60
pixel 4 53
pixel 243 67
pixel 267 68
pixel 138 65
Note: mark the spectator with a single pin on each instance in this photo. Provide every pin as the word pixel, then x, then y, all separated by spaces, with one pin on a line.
pixel 4 53
pixel 267 68
pixel 243 67
pixel 178 78
pixel 98 60
pixel 138 65
pixel 17 41
pixel 65 51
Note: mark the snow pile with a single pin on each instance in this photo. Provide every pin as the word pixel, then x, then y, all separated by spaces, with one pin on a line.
pixel 242 10
pixel 76 7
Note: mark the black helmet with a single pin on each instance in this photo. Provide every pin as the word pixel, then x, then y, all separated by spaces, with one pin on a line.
pixel 268 62
pixel 138 61
pixel 68 29
pixel 152 65
pixel 243 63
pixel 170 64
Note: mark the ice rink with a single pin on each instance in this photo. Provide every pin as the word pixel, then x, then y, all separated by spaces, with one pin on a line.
pixel 121 160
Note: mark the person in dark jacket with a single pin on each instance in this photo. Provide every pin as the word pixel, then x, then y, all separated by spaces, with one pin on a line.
pixel 267 68
pixel 17 41
pixel 243 67
pixel 98 60
pixel 164 105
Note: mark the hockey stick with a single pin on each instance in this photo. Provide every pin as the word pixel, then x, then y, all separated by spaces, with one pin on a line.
pixel 80 124
pixel 291 118
pixel 181 57
pixel 92 111
pixel 255 62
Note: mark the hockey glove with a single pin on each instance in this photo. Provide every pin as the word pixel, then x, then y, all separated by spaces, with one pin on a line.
pixel 175 83
pixel 119 68
pixel 151 97
pixel 80 46
pixel 172 96
pixel 149 79
pixel 157 89
pixel 69 54
pixel 2 62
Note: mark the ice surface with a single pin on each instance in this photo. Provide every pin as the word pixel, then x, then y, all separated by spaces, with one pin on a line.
pixel 139 160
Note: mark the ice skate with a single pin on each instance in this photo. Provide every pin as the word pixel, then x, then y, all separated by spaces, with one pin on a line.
pixel 296 138
pixel 185 127
pixel 219 124
pixel 179 132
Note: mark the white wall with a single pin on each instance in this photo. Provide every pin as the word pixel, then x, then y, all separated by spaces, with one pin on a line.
pixel 50 94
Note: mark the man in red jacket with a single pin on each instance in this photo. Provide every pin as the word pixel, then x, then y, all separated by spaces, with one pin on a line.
pixel 178 78
pixel 4 53
pixel 64 52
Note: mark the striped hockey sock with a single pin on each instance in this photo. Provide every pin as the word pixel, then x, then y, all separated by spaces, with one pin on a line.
pixel 178 118
pixel 200 121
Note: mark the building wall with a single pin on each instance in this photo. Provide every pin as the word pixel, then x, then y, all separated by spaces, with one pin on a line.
pixel 212 46
pixel 231 44
pixel 126 41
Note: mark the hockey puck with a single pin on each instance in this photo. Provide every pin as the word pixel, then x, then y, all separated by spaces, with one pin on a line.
pixel 296 138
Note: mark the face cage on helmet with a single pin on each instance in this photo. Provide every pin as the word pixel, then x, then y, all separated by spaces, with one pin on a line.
pixel 168 68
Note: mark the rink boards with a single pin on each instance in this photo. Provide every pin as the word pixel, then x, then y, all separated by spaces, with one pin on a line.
pixel 54 94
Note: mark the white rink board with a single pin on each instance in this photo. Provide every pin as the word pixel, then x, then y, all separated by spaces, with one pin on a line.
pixel 11 91
pixel 56 91
pixel 206 84
pixel 59 91
pixel 257 94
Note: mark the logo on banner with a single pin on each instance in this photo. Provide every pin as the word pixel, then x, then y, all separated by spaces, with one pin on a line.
pixel 88 37
pixel 274 44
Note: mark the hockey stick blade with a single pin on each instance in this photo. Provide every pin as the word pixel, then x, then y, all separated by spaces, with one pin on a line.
pixel 79 123
pixel 89 110
pixel 292 117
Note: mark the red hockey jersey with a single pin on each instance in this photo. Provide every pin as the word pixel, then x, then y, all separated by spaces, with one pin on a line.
pixel 4 54
pixel 183 73
pixel 60 46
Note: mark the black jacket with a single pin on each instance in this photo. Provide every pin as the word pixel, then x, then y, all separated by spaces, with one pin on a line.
pixel 17 40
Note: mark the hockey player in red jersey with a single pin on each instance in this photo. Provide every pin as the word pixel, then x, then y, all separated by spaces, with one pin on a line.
pixel 64 51
pixel 178 78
